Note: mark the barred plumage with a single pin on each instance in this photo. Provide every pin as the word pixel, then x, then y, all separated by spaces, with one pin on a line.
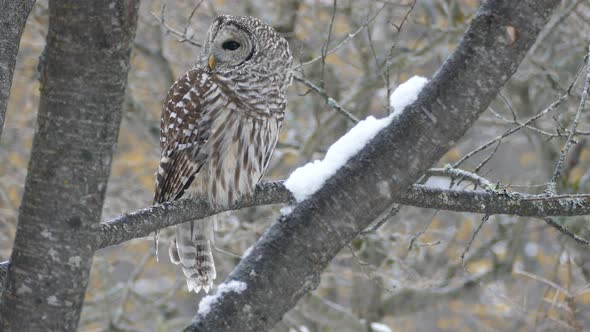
pixel 219 128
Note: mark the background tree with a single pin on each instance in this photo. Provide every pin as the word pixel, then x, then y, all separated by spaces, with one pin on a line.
pixel 422 269
pixel 83 74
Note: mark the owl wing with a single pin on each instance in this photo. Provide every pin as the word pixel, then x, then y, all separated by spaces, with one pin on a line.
pixel 184 130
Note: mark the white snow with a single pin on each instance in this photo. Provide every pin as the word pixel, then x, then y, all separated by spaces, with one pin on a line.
pixel 235 286
pixel 286 210
pixel 406 93
pixel 247 251
pixel 380 327
pixel 307 179
pixel 301 328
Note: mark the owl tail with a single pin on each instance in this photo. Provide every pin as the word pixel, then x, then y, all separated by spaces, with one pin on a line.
pixel 192 251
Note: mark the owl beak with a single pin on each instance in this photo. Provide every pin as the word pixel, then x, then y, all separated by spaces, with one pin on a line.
pixel 211 61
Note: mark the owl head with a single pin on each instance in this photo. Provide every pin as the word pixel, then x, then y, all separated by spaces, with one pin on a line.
pixel 243 44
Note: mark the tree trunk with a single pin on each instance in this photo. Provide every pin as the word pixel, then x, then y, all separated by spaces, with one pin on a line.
pixel 13 16
pixel 83 77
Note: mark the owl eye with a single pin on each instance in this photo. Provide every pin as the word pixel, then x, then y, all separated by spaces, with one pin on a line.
pixel 231 45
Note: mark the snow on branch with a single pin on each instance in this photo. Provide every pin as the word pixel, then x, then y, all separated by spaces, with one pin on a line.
pixel 307 179
pixel 234 286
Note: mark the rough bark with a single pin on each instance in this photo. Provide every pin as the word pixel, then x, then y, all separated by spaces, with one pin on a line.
pixel 13 16
pixel 145 221
pixel 287 260
pixel 83 77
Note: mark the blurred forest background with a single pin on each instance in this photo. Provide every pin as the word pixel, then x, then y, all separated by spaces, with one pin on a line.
pixel 518 275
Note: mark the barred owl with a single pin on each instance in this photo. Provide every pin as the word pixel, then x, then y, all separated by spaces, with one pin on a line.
pixel 219 127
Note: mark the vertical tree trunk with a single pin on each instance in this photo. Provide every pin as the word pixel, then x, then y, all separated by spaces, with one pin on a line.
pixel 83 77
pixel 13 15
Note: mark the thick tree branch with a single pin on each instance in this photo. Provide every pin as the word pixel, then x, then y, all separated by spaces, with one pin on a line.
pixel 287 260
pixel 13 16
pixel 143 222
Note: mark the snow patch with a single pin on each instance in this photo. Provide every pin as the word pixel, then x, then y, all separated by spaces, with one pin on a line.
pixel 286 210
pixel 406 93
pixel 208 301
pixel 301 328
pixel 247 251
pixel 309 178
pixel 380 327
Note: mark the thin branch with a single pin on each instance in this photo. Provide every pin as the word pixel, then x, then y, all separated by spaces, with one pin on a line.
pixel 327 43
pixel 455 173
pixel 511 131
pixel 329 100
pixel 551 188
pixel 387 62
pixel 516 122
pixel 386 216
pixel 182 36
pixel 345 41
pixel 466 250
pixel 562 229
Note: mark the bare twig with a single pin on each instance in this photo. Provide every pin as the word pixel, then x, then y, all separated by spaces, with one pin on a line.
pixel 511 131
pixel 327 43
pixel 518 123
pixel 550 28
pixel 183 37
pixel 329 100
pixel 456 173
pixel 129 286
pixel 344 41
pixel 487 159
pixel 388 60
pixel 551 188
pixel 483 221
pixel 562 229
pixel 383 218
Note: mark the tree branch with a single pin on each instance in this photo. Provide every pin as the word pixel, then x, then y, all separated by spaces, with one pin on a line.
pixel 13 16
pixel 143 222
pixel 287 260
